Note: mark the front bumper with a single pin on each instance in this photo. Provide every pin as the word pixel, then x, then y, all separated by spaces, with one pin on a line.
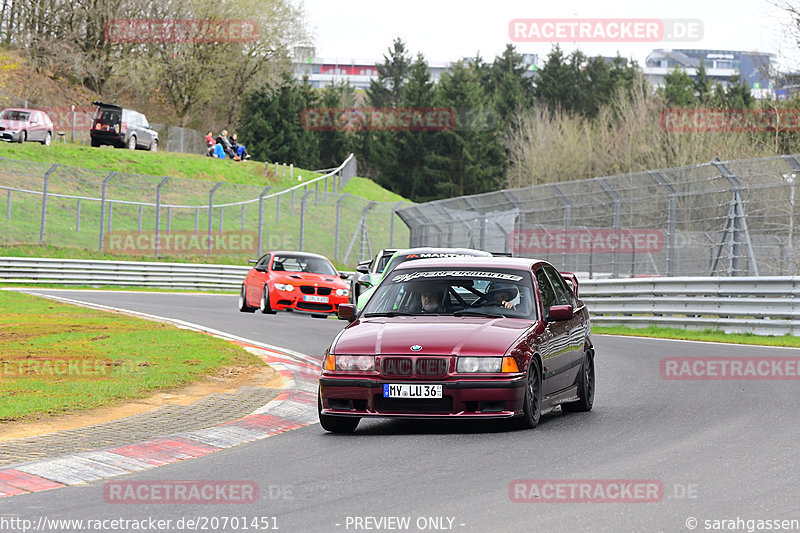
pixel 283 302
pixel 10 136
pixel 463 398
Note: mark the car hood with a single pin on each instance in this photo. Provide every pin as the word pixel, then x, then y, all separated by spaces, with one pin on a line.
pixel 437 335
pixel 296 277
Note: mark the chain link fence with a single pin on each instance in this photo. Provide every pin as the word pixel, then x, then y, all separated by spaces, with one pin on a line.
pixel 157 216
pixel 734 218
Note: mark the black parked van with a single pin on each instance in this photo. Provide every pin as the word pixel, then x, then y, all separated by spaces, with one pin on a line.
pixel 122 128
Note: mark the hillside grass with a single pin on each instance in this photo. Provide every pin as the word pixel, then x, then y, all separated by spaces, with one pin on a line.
pixel 64 237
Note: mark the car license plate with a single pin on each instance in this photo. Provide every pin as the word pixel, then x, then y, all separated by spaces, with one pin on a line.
pixel 412 391
pixel 317 299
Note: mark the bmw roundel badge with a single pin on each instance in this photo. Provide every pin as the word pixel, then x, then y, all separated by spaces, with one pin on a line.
pixel 416 348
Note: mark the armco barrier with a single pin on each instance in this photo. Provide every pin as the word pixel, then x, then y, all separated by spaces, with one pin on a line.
pixel 121 273
pixel 761 305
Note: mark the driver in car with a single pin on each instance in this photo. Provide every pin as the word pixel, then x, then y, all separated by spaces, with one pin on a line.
pixel 431 302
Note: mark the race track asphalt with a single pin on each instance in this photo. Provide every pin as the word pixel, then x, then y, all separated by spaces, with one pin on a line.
pixel 722 450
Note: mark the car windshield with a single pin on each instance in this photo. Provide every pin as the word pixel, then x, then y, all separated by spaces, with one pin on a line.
pixel 455 292
pixel 9 114
pixel 382 262
pixel 302 263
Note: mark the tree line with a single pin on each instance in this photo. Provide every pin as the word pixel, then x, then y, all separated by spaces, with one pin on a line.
pixel 574 117
pixel 193 77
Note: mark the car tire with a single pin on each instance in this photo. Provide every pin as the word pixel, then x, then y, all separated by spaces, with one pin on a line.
pixel 47 139
pixel 132 143
pixel 154 145
pixel 264 307
pixel 585 387
pixel 243 307
pixel 23 136
pixel 336 424
pixel 532 404
pixel 95 143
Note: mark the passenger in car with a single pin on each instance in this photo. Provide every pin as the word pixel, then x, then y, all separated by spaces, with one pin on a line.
pixel 503 294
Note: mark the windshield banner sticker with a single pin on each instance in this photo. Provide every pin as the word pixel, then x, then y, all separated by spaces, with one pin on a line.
pixel 456 274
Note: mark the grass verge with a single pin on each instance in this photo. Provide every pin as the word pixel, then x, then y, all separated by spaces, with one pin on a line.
pixel 56 357
pixel 707 335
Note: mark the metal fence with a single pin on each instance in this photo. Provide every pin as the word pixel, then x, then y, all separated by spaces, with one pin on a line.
pixel 57 204
pixel 765 305
pixel 733 218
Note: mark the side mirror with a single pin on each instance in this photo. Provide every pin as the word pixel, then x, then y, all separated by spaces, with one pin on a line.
pixel 347 312
pixel 344 275
pixel 364 269
pixel 364 280
pixel 560 312
pixel 252 261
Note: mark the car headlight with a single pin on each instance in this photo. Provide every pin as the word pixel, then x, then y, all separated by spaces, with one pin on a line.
pixel 284 287
pixel 342 292
pixel 479 364
pixel 350 363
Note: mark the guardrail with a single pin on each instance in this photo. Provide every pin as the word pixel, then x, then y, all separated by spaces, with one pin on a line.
pixel 21 270
pixel 15 270
pixel 760 305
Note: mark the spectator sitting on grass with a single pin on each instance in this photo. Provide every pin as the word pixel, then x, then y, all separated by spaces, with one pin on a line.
pixel 226 145
pixel 219 152
pixel 210 144
pixel 240 149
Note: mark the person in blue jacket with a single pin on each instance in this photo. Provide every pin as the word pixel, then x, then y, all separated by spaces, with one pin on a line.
pixel 219 151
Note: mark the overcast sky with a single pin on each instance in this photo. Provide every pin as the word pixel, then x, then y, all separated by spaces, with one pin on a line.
pixel 445 30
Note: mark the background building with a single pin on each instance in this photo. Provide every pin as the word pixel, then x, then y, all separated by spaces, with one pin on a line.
pixel 752 67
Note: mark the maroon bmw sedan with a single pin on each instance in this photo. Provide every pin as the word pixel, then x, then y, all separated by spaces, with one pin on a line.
pixel 461 338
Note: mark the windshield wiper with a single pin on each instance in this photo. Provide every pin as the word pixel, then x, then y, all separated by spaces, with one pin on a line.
pixel 478 313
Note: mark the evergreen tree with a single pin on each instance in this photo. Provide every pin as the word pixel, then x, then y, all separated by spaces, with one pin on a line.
pixel 702 85
pixel 271 124
pixel 555 85
pixel 679 89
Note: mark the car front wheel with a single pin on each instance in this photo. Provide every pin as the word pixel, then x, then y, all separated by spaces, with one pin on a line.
pixel 264 307
pixel 23 136
pixel 132 143
pixel 532 407
pixel 47 139
pixel 336 424
pixel 154 145
pixel 585 387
